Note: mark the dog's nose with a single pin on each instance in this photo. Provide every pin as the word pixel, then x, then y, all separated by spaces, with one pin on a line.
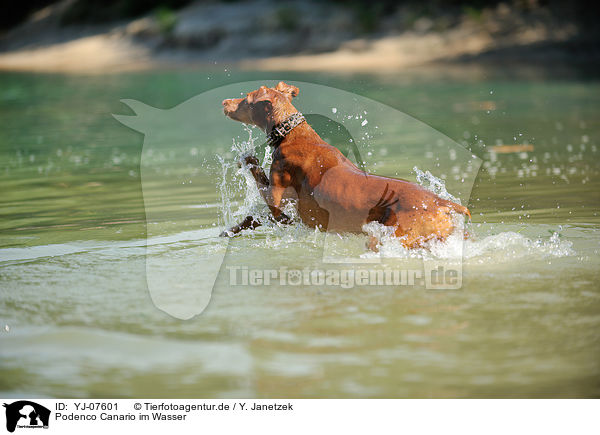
pixel 227 106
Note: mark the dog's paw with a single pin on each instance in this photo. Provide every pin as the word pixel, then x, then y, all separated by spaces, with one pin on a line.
pixel 249 161
pixel 227 233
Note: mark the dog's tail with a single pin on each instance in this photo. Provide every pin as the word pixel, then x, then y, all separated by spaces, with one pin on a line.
pixel 458 208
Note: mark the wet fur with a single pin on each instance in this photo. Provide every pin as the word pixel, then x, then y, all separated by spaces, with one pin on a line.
pixel 331 192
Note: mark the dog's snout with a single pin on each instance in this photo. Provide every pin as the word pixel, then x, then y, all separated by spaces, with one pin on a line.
pixel 231 104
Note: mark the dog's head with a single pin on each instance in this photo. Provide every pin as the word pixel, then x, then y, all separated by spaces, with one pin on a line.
pixel 264 107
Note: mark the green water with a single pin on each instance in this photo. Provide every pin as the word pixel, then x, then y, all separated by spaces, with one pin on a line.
pixel 73 252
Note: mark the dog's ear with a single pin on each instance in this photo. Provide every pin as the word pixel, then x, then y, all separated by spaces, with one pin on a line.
pixel 261 94
pixel 289 90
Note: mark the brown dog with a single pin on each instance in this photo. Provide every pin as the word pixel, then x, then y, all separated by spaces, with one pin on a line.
pixel 332 193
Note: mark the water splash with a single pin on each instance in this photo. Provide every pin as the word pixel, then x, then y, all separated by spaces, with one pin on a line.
pixel 504 247
pixel 434 184
pixel 235 178
pixel 501 247
pixel 237 188
pixel 509 245
pixel 237 181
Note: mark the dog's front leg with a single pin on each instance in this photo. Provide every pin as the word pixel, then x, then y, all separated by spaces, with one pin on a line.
pixel 273 196
pixel 249 222
pixel 271 191
pixel 257 172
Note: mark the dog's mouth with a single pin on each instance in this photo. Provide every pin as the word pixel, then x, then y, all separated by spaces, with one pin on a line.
pixel 230 113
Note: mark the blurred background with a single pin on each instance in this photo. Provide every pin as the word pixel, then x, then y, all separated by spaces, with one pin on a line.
pixel 516 83
pixel 99 36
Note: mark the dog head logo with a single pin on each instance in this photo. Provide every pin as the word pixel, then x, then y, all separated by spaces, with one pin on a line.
pixel 179 141
pixel 26 414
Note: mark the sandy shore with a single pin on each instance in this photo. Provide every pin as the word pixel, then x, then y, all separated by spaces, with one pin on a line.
pixel 138 45
pixel 94 54
pixel 386 54
pixel 102 54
